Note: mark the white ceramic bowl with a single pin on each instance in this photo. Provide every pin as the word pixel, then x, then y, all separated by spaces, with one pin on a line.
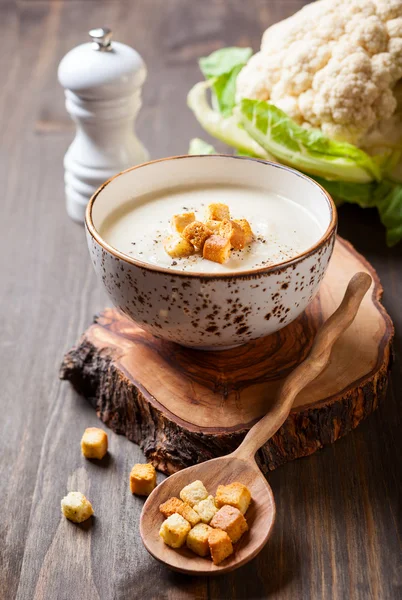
pixel 220 310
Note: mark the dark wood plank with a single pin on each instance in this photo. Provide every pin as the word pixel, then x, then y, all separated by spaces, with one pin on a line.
pixel 337 529
pixel 49 288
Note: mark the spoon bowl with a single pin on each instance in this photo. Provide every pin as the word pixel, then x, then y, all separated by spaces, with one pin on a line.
pixel 240 465
pixel 260 515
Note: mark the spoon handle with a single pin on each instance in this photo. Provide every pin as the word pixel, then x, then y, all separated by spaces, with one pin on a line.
pixel 309 369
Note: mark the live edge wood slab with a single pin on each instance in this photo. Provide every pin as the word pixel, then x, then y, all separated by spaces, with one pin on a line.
pixel 184 406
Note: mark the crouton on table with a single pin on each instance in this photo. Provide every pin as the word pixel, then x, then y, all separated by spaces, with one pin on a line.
pixel 142 479
pixel 94 443
pixel 76 507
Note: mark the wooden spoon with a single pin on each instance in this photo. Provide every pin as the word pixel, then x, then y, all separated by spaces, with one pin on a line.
pixel 240 465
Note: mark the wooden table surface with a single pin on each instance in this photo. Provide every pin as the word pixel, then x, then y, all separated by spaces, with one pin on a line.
pixel 336 535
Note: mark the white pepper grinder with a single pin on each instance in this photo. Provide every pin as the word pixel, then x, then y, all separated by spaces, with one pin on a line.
pixel 102 81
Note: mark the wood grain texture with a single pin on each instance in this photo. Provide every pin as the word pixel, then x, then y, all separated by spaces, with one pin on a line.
pixel 185 406
pixel 339 536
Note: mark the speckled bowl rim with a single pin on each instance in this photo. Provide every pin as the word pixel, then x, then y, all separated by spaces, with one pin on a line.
pixel 331 229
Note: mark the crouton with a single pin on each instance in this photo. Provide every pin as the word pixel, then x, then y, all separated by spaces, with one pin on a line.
pixel 197 539
pixel 193 493
pixel 217 249
pixel 178 247
pixel 235 494
pixel 174 530
pixel 76 507
pixel 220 545
pixel 179 222
pixel 174 505
pixel 94 443
pixel 142 479
pixel 206 509
pixel 230 519
pixel 196 233
pixel 213 225
pixel 170 506
pixel 217 212
pixel 189 514
pixel 234 233
pixel 245 225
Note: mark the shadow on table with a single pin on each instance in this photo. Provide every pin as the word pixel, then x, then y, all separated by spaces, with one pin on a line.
pixel 362 227
pixel 271 571
pixel 104 463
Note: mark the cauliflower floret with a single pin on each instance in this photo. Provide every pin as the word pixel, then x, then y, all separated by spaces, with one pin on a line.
pixel 338 75
pixel 386 132
pixel 312 55
pixel 388 9
pixel 384 70
pixel 395 50
pixel 263 71
pixel 345 92
pixel 369 34
pixel 290 106
pixel 394 27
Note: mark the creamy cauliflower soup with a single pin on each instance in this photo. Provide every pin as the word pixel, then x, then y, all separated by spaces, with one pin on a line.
pixel 282 228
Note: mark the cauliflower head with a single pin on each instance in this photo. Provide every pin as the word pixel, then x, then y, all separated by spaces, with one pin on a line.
pixel 334 65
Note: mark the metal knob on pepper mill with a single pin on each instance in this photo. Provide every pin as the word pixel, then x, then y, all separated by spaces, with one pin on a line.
pixel 102 81
pixel 101 38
